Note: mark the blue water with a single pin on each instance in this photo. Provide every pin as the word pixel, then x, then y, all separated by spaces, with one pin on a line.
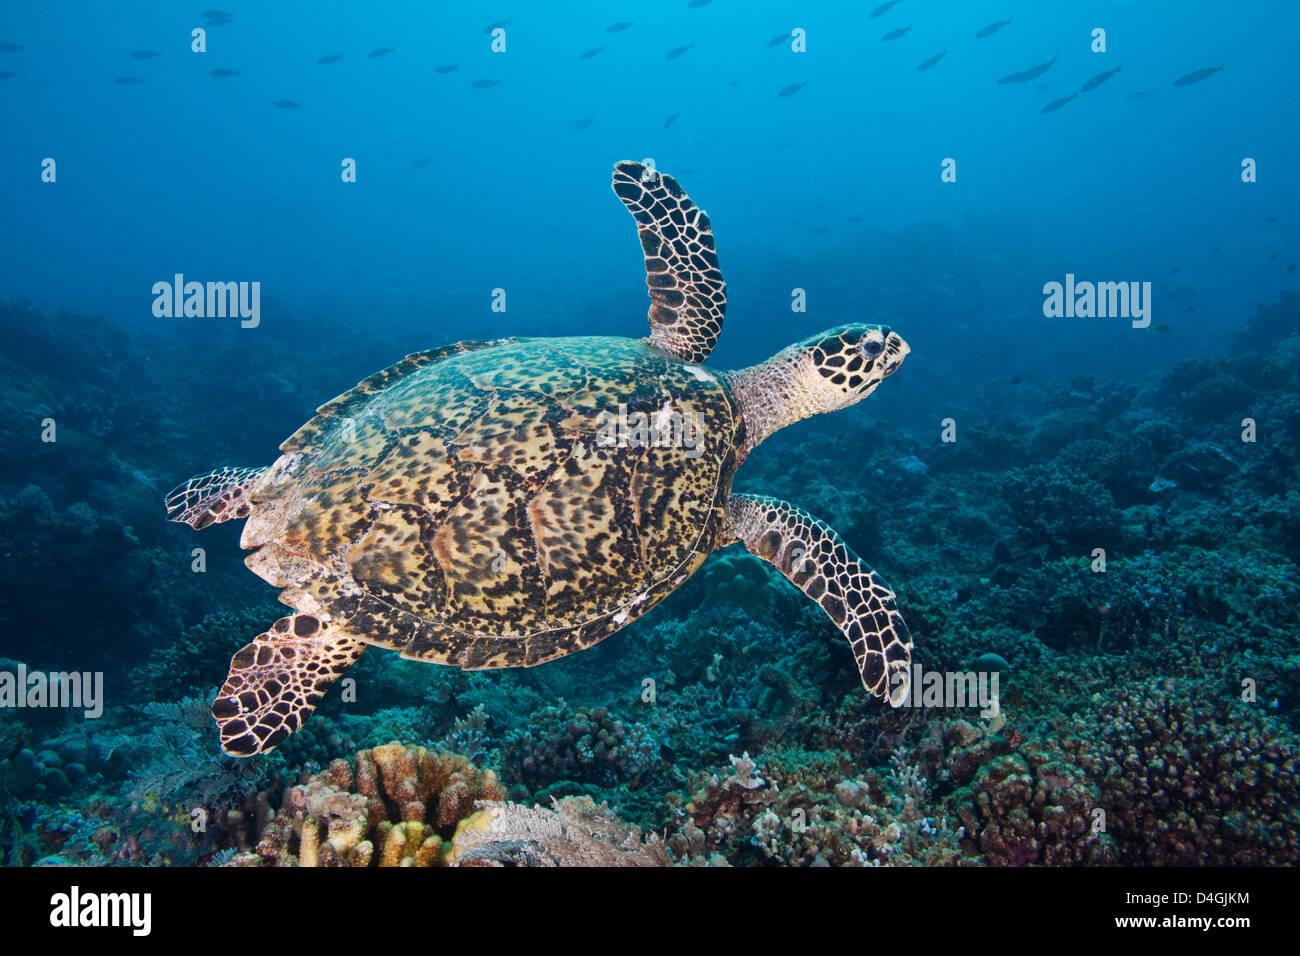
pixel 183 172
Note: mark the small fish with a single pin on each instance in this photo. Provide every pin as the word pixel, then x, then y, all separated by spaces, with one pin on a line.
pixel 126 80
pixel 446 68
pixel 618 27
pixel 667 753
pixel 881 10
pixel 992 28
pixel 1055 105
pixel 382 51
pixel 5 74
pixel 670 120
pixel 699 3
pixel 286 104
pixel 10 47
pixel 1199 75
pixel 793 88
pixel 1033 73
pixel 1015 381
pixel 1270 218
pixel 214 14
pixel 1290 269
pixel 222 72
pixel 219 21
pixel 1162 327
pixel 588 54
pixel 932 61
pixel 145 54
pixel 330 58
pixel 484 84
pixel 778 39
pixel 583 123
pixel 678 51
pixel 895 34
pixel 421 162
pixel 496 25
pixel 1099 79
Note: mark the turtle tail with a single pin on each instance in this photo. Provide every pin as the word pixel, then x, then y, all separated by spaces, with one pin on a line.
pixel 209 499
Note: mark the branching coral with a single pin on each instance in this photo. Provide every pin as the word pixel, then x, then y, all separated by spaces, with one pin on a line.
pixel 395 806
pixel 1184 785
pixel 588 745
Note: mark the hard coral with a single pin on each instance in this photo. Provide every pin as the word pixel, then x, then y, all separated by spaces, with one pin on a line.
pixel 1184 785
pixel 588 745
pixel 394 806
pixel 576 832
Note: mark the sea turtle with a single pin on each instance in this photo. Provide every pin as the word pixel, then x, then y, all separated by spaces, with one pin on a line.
pixel 504 503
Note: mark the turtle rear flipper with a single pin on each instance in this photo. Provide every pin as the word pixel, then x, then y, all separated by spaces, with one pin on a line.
pixel 276 682
pixel 212 498
pixel 819 563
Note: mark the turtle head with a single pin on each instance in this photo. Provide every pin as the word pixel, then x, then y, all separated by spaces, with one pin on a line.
pixel 844 365
pixel 830 371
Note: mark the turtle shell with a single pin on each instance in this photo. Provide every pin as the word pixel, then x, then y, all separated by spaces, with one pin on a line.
pixel 479 505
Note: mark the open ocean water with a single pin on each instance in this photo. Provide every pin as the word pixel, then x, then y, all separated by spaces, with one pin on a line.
pixel 1061 538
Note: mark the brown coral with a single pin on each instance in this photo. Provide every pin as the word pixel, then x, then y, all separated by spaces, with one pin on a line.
pixel 1187 779
pixel 405 801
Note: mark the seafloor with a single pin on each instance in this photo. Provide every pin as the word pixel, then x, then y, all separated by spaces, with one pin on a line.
pixel 1148 713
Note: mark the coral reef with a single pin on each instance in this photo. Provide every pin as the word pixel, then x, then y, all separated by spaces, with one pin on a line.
pixel 732 717
pixel 1185 783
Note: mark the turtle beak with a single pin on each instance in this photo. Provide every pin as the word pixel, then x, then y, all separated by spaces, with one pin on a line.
pixel 895 351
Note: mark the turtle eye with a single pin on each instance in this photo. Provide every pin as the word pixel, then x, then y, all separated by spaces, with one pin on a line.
pixel 871 348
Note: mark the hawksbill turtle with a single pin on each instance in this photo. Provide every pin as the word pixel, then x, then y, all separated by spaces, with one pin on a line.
pixel 505 503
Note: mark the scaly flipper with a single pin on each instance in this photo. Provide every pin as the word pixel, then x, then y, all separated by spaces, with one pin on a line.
pixel 276 682
pixel 690 298
pixel 821 565
pixel 217 496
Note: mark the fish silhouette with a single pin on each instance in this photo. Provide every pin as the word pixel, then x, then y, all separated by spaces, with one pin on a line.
pixel 932 61
pixel 1198 75
pixel 1099 79
pixel 992 28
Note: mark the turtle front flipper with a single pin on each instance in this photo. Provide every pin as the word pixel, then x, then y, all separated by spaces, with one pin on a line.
pixel 690 298
pixel 819 563
pixel 276 682
pixel 212 498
